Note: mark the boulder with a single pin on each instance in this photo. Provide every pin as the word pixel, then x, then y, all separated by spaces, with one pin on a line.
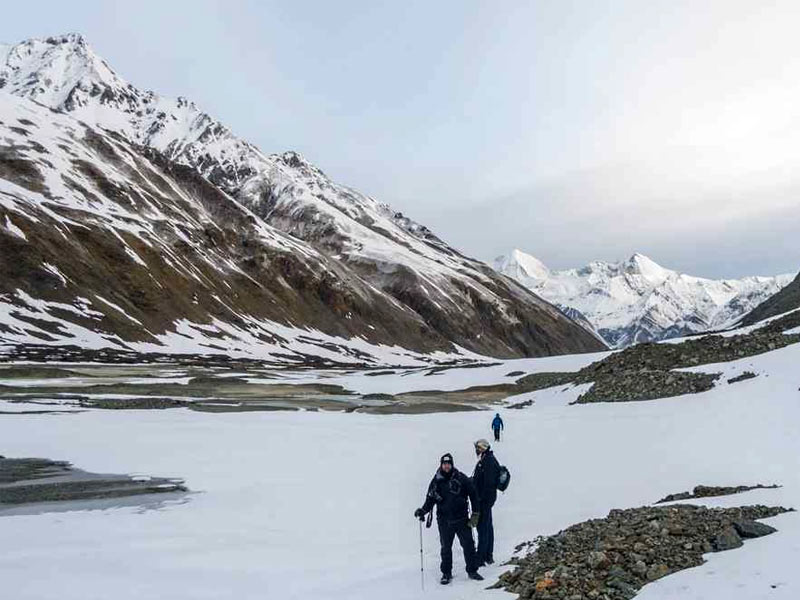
pixel 727 539
pixel 598 560
pixel 752 529
pixel 657 572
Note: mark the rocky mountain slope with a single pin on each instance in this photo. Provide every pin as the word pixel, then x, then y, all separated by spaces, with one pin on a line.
pixel 134 221
pixel 783 301
pixel 637 300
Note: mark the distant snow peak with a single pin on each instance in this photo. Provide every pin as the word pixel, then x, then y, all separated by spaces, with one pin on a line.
pixel 523 265
pixel 638 300
pixel 639 264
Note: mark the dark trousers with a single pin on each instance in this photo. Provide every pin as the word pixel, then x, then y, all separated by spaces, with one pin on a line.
pixel 447 533
pixel 497 434
pixel 485 535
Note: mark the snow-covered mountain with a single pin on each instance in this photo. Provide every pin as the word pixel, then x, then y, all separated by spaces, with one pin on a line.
pixel 785 300
pixel 127 218
pixel 637 300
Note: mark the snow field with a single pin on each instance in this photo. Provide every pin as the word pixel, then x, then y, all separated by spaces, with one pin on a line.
pixel 298 505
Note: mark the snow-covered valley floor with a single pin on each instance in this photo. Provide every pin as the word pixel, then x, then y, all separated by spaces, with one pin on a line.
pixel 319 504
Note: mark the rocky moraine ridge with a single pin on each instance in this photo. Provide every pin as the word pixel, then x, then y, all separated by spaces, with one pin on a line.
pixel 614 557
pixel 648 371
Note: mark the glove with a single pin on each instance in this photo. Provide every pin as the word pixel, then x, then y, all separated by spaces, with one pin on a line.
pixel 473 520
pixel 420 514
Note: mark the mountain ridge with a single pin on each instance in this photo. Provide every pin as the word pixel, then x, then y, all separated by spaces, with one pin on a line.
pixel 787 299
pixel 360 251
pixel 637 300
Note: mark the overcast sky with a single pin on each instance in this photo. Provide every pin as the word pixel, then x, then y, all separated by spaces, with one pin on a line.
pixel 575 131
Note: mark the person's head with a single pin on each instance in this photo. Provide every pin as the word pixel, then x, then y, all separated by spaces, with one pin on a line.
pixel 496 414
pixel 446 463
pixel 481 446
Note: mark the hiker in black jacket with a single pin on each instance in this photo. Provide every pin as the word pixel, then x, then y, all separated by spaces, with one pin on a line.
pixel 485 480
pixel 449 490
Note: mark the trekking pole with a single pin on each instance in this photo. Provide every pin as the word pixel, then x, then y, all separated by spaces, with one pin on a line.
pixel 421 559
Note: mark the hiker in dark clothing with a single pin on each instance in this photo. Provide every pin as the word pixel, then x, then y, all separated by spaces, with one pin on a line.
pixel 497 425
pixel 449 490
pixel 485 480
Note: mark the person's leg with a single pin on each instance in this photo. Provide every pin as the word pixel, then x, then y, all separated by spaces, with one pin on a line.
pixel 483 539
pixel 485 536
pixel 489 556
pixel 496 435
pixel 446 535
pixel 468 545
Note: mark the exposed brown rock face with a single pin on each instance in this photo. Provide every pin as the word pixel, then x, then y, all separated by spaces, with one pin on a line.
pixel 125 244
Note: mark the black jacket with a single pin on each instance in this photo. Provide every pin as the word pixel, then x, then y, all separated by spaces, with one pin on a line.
pixel 449 492
pixel 485 478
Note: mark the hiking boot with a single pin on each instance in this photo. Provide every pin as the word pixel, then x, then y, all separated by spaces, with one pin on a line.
pixel 445 579
pixel 490 561
pixel 476 576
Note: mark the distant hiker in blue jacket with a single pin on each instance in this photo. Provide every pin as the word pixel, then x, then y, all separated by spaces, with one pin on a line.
pixel 497 426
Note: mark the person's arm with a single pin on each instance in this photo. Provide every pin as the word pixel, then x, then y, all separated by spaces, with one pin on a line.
pixel 477 476
pixel 483 483
pixel 474 500
pixel 502 425
pixel 431 498
pixel 492 472
pixel 473 493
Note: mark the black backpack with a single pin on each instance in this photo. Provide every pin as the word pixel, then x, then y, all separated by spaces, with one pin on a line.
pixel 503 478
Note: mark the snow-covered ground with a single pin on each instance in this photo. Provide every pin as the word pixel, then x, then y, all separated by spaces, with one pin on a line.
pixel 319 505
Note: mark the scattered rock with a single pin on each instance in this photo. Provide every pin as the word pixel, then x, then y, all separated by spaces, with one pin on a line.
pixel 597 560
pixel 742 377
pixel 545 584
pixel 709 491
pixel 657 572
pixel 523 404
pixel 540 381
pixel 640 568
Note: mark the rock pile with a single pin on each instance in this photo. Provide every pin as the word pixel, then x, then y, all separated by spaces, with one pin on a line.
pixel 628 386
pixel 706 350
pixel 612 558
pixel 540 381
pixel 708 491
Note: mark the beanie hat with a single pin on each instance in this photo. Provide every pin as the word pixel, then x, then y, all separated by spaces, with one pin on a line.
pixel 446 458
pixel 482 445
